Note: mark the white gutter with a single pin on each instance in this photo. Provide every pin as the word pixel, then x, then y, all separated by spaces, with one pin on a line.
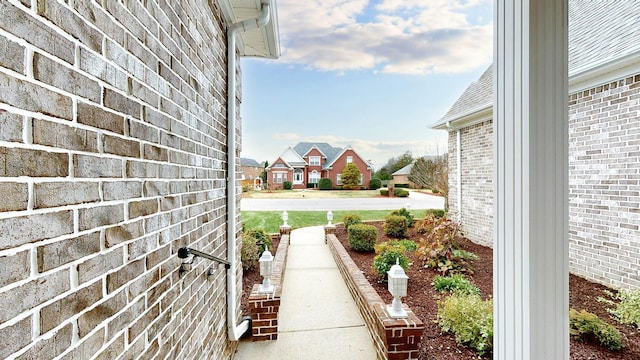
pixel 235 330
pixel 459 175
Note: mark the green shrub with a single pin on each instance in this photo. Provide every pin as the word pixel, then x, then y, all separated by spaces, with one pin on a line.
pixel 263 239
pixel 407 244
pixel 351 219
pixel 438 213
pixel 627 310
pixel 395 225
pixel 375 184
pixel 287 185
pixel 384 192
pixel 325 184
pixel 249 252
pixel 470 319
pixel 455 283
pixel 245 188
pixel 311 185
pixel 398 192
pixel 406 213
pixel 362 237
pixel 588 327
pixel 442 251
pixel 387 253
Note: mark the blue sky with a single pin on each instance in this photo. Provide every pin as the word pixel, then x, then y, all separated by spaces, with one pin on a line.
pixel 370 74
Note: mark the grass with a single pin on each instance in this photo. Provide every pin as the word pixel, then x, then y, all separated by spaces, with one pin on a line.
pixel 272 220
pixel 310 193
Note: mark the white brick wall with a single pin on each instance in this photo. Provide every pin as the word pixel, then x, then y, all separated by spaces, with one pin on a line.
pixel 604 183
pixel 112 156
pixel 477 181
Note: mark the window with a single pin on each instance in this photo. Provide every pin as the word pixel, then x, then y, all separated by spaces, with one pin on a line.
pixel 349 159
pixel 298 176
pixel 314 177
pixel 314 160
pixel 361 179
pixel 339 179
pixel 279 176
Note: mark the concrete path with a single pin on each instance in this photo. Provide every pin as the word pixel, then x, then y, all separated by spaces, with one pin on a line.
pixel 318 318
pixel 416 200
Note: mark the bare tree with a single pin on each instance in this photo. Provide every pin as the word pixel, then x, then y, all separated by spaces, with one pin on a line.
pixel 432 174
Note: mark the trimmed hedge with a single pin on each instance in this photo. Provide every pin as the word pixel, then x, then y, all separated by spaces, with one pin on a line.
pixel 395 225
pixel 325 184
pixel 351 219
pixel 375 184
pixel 384 192
pixel 362 237
pixel 399 192
pixel 287 185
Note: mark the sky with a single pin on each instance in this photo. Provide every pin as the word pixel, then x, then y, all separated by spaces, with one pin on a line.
pixel 370 74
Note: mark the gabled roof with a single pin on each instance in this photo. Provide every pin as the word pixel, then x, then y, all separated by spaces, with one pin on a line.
pixel 329 152
pixel 262 42
pixel 249 162
pixel 291 158
pixel 329 163
pixel 404 171
pixel 604 44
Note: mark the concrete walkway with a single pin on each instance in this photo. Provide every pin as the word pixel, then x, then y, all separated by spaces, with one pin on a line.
pixel 318 318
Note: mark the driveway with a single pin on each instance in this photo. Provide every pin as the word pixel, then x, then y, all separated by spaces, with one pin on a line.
pixel 415 200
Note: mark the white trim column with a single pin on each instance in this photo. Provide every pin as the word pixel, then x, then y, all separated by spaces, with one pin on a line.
pixel 531 276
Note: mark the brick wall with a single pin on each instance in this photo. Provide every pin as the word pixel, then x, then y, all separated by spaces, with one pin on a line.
pixel 477 181
pixel 604 183
pixel 112 156
pixel 394 339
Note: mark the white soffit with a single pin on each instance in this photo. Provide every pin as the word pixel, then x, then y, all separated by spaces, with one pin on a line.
pixel 263 42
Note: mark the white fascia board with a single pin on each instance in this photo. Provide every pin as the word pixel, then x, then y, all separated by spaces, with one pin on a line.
pixel 475 116
pixel 596 74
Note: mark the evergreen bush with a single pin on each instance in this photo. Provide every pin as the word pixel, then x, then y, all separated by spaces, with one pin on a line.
pixel 588 327
pixel 375 184
pixel 395 225
pixel 325 184
pixel 470 319
pixel 362 237
pixel 351 219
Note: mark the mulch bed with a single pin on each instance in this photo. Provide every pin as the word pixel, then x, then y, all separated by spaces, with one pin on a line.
pixel 251 277
pixel 422 299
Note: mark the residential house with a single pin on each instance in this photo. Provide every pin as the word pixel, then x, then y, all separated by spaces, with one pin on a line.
pixel 401 177
pixel 307 162
pixel 115 146
pixel 250 169
pixel 604 133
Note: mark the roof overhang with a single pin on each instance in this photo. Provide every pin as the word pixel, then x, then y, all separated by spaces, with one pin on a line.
pixel 474 116
pixel 263 42
pixel 595 74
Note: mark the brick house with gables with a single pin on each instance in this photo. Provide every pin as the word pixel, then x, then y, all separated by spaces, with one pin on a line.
pixel 307 162
pixel 604 156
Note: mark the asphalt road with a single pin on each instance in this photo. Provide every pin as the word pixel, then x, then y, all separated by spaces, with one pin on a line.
pixel 415 200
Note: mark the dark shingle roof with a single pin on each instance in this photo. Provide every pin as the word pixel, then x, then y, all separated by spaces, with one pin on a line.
pixel 599 31
pixel 329 151
pixel 249 162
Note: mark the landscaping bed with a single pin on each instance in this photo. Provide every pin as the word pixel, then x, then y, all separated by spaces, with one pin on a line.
pixel 422 299
pixel 251 277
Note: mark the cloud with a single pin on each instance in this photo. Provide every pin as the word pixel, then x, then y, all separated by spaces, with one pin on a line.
pixel 392 36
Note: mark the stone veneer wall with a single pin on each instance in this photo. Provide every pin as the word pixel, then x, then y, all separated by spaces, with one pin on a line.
pixel 476 221
pixel 112 156
pixel 604 182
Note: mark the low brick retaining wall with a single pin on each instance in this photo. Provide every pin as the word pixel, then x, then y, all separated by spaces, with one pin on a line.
pixel 264 307
pixel 394 339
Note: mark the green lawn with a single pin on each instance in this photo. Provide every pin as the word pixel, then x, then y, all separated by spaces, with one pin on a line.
pixel 272 220
pixel 311 194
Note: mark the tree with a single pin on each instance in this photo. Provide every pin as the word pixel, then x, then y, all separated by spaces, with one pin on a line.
pixel 394 164
pixel 263 174
pixel 432 174
pixel 350 176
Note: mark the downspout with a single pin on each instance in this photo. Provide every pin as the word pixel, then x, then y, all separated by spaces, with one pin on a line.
pixel 459 174
pixel 235 330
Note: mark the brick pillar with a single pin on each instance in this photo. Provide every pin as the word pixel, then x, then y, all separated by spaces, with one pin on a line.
pixel 285 230
pixel 264 312
pixel 402 336
pixel 329 230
